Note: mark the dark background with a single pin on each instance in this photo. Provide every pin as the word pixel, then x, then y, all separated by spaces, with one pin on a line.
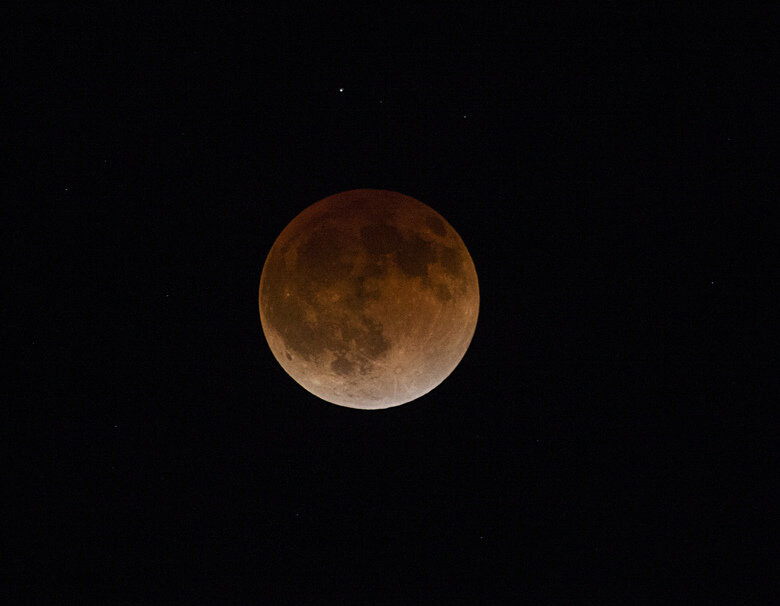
pixel 606 435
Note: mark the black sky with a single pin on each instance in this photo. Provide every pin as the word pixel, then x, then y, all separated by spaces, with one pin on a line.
pixel 606 435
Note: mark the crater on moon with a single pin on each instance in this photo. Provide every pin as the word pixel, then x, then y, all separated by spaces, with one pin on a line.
pixel 369 299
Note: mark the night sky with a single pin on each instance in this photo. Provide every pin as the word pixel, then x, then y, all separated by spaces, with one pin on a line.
pixel 606 435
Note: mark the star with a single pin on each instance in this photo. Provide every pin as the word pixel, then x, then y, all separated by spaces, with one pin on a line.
pixel 341 90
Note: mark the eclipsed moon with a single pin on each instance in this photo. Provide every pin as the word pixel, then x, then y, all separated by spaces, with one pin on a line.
pixel 369 299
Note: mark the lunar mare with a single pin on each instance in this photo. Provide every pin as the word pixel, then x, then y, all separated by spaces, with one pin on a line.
pixel 369 299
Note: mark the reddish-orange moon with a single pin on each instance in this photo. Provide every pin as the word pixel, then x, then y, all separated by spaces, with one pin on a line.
pixel 369 299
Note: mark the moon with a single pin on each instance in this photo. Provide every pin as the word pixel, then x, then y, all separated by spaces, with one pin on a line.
pixel 369 299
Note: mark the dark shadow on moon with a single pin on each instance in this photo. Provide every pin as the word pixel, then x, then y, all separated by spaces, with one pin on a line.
pixel 381 239
pixel 436 225
pixel 442 293
pixel 342 366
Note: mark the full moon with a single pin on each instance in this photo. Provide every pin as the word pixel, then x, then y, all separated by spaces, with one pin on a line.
pixel 369 299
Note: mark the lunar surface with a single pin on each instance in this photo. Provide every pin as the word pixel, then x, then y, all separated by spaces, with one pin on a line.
pixel 369 299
